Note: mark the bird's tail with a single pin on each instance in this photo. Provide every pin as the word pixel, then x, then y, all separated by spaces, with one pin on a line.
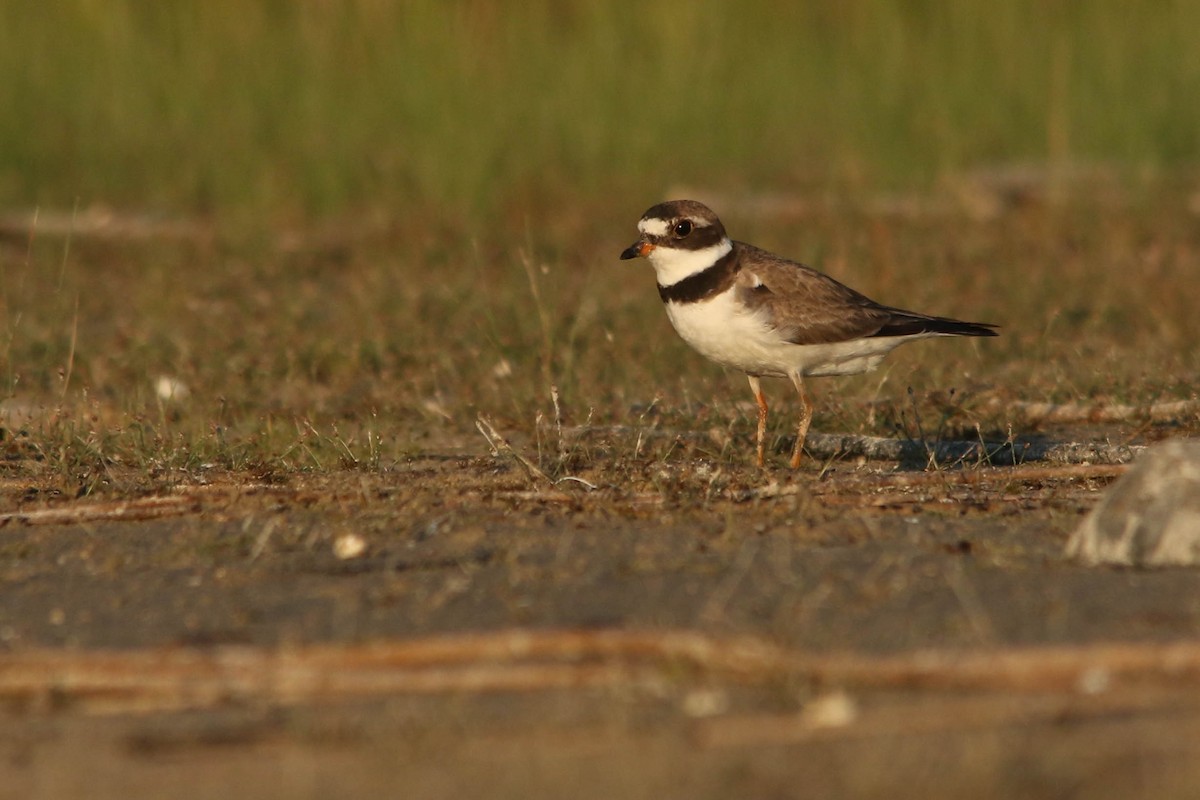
pixel 904 323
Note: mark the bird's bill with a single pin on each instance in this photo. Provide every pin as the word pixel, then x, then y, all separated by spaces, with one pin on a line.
pixel 636 250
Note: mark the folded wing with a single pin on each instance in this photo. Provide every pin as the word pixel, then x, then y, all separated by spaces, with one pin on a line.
pixel 809 307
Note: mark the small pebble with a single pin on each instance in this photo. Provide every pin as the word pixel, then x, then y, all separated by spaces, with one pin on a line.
pixel 833 710
pixel 349 545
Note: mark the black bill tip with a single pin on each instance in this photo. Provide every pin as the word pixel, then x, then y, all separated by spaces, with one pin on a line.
pixel 636 250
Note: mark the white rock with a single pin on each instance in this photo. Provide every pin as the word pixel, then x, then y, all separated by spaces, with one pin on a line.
pixel 1151 516
pixel 349 545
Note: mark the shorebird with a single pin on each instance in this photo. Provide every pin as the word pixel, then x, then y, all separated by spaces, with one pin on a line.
pixel 766 315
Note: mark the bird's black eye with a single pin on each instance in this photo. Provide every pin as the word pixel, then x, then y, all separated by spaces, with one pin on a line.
pixel 683 227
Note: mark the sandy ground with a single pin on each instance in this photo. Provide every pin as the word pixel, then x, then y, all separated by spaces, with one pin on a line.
pixel 846 580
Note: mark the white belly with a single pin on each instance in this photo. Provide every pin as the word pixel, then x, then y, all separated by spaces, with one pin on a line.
pixel 734 336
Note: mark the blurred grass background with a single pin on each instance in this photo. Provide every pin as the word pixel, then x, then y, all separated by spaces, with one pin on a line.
pixel 276 108
pixel 417 207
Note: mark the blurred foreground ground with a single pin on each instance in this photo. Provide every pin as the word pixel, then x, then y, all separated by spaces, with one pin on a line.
pixel 853 575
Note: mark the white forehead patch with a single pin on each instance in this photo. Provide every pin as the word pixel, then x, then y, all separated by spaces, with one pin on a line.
pixel 659 227
pixel 653 227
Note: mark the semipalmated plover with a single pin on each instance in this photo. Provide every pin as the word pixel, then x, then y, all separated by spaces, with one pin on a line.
pixel 767 316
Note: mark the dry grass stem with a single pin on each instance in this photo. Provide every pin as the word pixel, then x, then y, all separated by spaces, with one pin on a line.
pixel 500 445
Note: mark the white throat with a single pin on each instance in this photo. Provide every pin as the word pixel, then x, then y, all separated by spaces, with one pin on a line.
pixel 672 265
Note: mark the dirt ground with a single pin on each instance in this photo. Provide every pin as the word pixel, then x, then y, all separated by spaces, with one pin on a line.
pixel 847 630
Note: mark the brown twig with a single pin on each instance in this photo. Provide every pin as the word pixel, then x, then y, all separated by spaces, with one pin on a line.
pixel 1064 413
pixel 141 508
pixel 852 486
pixel 967 452
pixel 946 453
pixel 533 660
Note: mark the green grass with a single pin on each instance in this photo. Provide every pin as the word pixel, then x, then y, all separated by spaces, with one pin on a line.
pixel 307 109
pixel 418 209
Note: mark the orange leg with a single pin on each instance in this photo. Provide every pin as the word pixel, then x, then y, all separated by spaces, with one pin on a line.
pixel 806 412
pixel 762 414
